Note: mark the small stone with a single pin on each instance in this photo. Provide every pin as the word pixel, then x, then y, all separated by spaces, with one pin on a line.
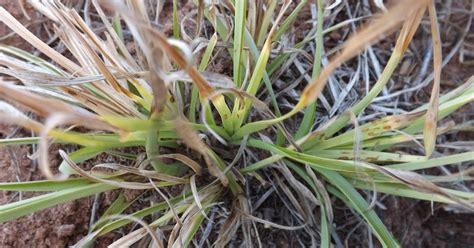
pixel 41 234
pixel 65 230
pixel 335 36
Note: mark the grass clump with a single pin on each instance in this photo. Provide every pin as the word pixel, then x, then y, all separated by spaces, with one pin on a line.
pixel 210 133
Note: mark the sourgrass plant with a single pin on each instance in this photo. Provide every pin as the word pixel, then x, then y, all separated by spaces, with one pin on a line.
pixel 163 99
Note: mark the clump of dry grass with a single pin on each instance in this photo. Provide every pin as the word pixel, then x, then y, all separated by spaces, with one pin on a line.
pixel 214 135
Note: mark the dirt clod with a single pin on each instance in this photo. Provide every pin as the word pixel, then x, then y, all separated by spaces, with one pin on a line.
pixel 65 230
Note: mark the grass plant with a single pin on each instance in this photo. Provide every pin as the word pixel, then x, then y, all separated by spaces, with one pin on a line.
pixel 211 135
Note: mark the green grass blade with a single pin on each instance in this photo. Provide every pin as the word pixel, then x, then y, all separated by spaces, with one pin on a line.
pixel 199 218
pixel 369 156
pixel 401 190
pixel 361 206
pixel 175 20
pixel 117 25
pixel 255 80
pixel 113 225
pixel 117 207
pixel 44 185
pixel 325 233
pixel 285 25
pixel 444 110
pixel 7 212
pixel 403 40
pixel 33 59
pixel 267 18
pixel 310 111
pixel 239 29
pixel 19 141
pixel 261 164
pixel 324 163
pixel 266 79
pixel 435 162
pixel 80 156
pixel 202 66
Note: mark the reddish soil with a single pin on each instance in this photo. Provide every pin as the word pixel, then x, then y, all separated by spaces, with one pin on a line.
pixel 34 24
pixel 54 227
pixel 415 225
pixel 59 226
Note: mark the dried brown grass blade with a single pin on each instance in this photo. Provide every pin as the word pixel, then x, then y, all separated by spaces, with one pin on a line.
pixel 197 199
pixel 272 224
pixel 99 45
pixel 193 165
pixel 81 45
pixel 324 194
pixel 150 174
pixel 200 17
pixel 48 107
pixel 154 56
pixel 429 132
pixel 123 49
pixel 230 226
pixel 158 86
pixel 12 116
pixel 93 102
pixel 193 141
pixel 18 28
pixel 131 238
pixel 115 182
pixel 417 182
pixel 183 229
pixel 163 43
pixel 373 32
